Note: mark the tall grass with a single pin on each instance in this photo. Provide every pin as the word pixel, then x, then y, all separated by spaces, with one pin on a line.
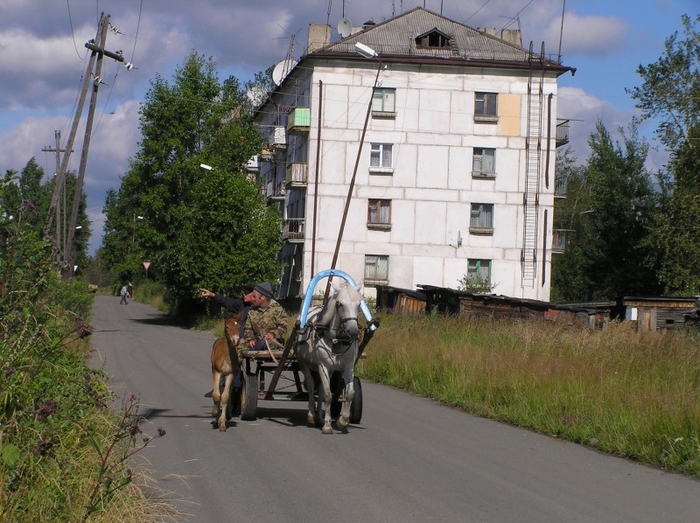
pixel 631 394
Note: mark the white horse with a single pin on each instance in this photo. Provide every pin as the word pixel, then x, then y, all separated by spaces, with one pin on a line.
pixel 329 345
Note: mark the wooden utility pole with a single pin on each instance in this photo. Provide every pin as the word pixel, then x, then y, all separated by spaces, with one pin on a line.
pixel 66 256
pixel 101 39
pixel 61 173
pixel 58 152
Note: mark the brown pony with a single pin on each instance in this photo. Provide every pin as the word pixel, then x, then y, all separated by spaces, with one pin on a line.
pixel 225 364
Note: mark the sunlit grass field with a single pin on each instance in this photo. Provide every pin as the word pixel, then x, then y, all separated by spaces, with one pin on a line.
pixel 631 394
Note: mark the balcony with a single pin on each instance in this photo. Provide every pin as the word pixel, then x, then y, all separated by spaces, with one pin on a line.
pixel 297 175
pixel 275 191
pixel 562 136
pixel 559 240
pixel 278 138
pixel 559 186
pixel 293 230
pixel 299 120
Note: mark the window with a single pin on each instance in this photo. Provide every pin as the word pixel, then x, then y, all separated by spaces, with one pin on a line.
pixel 433 39
pixel 379 214
pixel 478 275
pixel 481 220
pixel 376 269
pixel 484 163
pixel 384 102
pixel 380 157
pixel 485 107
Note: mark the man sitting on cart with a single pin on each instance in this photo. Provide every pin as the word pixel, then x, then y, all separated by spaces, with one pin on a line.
pixel 267 321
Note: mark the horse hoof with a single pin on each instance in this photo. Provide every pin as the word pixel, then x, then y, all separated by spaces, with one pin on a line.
pixel 215 412
pixel 343 423
pixel 222 426
pixel 310 419
pixel 327 430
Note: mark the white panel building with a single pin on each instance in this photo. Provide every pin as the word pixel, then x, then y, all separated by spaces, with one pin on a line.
pixel 442 146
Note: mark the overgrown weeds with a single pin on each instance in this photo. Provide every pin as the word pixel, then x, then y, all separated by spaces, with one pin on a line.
pixel 64 456
pixel 631 394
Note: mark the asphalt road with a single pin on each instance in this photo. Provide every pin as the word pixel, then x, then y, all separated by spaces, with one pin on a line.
pixel 410 460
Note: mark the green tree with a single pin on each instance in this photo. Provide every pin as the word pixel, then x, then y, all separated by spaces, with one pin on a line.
pixel 197 227
pixel 570 281
pixel 612 206
pixel 29 197
pixel 670 93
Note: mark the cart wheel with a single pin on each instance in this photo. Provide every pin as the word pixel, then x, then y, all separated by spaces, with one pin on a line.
pixel 249 397
pixel 356 407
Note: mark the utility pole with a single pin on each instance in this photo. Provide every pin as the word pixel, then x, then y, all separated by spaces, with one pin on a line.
pixel 97 47
pixel 58 152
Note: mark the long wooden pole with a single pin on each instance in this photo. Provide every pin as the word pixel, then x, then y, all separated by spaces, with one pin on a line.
pixel 352 182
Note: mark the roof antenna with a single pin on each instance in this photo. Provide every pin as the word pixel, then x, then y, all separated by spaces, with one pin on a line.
pixel 561 31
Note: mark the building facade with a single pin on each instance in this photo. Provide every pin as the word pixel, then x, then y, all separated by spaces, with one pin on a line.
pixel 423 156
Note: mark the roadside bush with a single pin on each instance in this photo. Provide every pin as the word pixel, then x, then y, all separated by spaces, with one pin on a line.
pixel 63 453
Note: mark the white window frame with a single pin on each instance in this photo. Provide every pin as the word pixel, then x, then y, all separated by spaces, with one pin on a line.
pixel 485 107
pixel 381 158
pixel 484 162
pixel 376 269
pixel 384 102
pixel 481 218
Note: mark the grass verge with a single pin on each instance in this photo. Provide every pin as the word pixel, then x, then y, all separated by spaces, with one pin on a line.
pixel 631 394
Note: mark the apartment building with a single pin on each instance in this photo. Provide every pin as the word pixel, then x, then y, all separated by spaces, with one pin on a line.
pixel 416 151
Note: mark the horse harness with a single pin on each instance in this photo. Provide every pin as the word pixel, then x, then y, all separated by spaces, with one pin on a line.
pixel 340 342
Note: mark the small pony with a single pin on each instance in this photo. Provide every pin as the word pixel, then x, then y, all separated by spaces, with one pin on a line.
pixel 225 364
pixel 331 345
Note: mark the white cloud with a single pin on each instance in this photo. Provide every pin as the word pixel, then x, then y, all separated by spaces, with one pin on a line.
pixel 589 35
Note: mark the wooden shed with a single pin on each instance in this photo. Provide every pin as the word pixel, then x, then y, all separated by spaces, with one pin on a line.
pixel 394 299
pixel 655 313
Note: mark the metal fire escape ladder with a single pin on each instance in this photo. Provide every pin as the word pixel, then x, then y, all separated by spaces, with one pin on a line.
pixel 533 156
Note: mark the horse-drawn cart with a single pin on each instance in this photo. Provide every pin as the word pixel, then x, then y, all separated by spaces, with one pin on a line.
pixel 276 374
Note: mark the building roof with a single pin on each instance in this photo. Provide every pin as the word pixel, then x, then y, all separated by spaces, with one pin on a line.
pixel 403 38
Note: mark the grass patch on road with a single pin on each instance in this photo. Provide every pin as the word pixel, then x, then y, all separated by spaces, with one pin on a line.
pixel 631 394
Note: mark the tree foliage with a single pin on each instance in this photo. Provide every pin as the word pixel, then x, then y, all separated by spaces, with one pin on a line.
pixel 197 227
pixel 670 93
pixel 27 196
pixel 611 204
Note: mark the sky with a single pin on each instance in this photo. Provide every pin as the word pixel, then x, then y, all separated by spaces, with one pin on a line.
pixel 43 59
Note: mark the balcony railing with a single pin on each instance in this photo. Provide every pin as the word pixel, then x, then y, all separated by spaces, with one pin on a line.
pixel 293 229
pixel 299 120
pixel 560 186
pixel 297 174
pixel 275 191
pixel 562 132
pixel 559 240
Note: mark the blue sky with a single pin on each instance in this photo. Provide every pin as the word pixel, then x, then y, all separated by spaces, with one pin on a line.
pixel 43 58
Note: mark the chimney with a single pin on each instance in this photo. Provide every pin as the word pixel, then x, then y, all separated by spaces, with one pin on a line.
pixel 319 36
pixel 368 24
pixel 512 36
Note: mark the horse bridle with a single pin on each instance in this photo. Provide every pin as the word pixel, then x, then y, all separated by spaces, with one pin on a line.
pixel 340 339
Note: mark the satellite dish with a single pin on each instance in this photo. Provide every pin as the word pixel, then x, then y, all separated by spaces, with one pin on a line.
pixel 344 27
pixel 282 69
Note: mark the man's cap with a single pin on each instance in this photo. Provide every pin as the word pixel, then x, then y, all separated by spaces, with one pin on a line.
pixel 248 287
pixel 265 289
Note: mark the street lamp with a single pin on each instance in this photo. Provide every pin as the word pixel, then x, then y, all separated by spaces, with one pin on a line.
pixel 365 51
pixel 133 228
